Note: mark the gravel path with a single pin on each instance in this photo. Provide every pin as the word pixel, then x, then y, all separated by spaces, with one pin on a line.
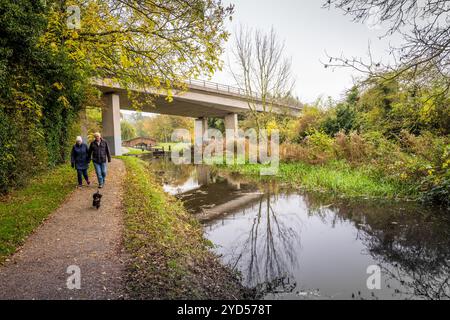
pixel 74 235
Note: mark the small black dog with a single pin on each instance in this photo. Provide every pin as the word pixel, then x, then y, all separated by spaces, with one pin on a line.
pixel 97 197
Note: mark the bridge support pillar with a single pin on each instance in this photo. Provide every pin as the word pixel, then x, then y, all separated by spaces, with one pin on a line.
pixel 200 127
pixel 231 134
pixel 111 123
pixel 231 122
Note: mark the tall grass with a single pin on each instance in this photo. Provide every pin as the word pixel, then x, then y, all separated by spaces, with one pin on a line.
pixel 336 177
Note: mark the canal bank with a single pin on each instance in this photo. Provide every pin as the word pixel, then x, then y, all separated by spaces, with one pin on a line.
pixel 168 256
pixel 337 178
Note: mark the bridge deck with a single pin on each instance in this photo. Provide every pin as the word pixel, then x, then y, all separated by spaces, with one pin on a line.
pixel 202 99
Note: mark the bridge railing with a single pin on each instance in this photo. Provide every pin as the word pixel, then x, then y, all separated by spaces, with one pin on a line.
pixel 221 87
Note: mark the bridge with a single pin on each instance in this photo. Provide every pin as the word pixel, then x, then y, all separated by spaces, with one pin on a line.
pixel 139 142
pixel 201 100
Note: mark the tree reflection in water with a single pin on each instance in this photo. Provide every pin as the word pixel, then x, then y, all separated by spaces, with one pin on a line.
pixel 266 257
pixel 413 254
pixel 410 243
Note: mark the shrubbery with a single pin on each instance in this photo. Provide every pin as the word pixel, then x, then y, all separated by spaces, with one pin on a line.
pixel 389 127
pixel 41 93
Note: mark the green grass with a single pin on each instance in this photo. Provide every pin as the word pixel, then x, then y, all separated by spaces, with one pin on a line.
pixel 174 146
pixel 23 210
pixel 336 177
pixel 136 151
pixel 169 258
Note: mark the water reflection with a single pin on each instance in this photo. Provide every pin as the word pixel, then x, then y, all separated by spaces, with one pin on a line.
pixel 294 245
pixel 266 252
pixel 411 246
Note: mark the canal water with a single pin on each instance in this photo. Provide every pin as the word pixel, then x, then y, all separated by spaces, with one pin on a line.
pixel 295 245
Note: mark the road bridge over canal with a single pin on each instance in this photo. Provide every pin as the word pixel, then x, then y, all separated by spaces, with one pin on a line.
pixel 202 99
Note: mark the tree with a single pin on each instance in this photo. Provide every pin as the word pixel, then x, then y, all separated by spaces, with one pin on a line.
pixel 262 71
pixel 424 25
pixel 41 92
pixel 128 131
pixel 143 43
pixel 216 123
pixel 161 127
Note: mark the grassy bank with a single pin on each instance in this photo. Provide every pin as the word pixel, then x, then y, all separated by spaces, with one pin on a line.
pixel 174 146
pixel 23 210
pixel 133 151
pixel 336 177
pixel 169 258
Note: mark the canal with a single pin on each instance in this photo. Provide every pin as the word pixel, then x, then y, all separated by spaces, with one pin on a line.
pixel 297 245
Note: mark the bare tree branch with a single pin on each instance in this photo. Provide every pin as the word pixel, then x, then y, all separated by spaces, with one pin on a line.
pixel 261 69
pixel 424 56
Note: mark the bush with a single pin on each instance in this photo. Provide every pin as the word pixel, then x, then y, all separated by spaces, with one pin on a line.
pixel 41 92
pixel 343 119
pixel 316 148
pixel 309 121
pixel 352 147
pixel 436 185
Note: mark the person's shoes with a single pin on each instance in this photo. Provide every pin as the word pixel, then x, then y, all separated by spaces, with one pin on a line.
pixel 80 186
pixel 100 186
pixel 88 183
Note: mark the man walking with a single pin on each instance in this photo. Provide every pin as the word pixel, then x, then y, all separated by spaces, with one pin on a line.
pixel 99 151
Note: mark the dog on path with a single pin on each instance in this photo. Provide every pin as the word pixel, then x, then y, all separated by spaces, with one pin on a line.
pixel 96 199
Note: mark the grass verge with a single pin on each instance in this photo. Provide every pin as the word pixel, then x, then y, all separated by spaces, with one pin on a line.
pixel 136 151
pixel 174 146
pixel 23 210
pixel 336 177
pixel 169 258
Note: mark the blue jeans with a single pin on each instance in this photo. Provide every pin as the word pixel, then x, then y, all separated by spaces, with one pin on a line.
pixel 80 174
pixel 100 170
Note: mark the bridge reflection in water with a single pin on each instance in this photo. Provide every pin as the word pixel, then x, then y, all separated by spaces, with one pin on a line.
pixel 309 246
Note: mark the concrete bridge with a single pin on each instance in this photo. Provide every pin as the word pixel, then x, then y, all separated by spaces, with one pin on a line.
pixel 203 99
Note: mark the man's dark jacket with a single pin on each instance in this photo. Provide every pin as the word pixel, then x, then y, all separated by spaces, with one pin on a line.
pixel 99 151
pixel 79 156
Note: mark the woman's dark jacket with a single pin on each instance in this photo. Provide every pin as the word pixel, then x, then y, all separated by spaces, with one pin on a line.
pixel 79 157
pixel 99 152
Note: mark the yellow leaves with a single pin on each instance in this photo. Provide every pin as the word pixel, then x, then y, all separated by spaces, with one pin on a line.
pixel 27 103
pixel 75 35
pixel 169 97
pixel 58 86
pixel 63 100
pixel 446 164
pixel 271 125
pixel 426 110
pixel 125 62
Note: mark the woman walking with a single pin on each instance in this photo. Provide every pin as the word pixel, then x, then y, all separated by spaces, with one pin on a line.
pixel 80 160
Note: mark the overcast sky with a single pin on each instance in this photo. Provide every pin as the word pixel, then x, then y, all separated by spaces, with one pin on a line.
pixel 309 33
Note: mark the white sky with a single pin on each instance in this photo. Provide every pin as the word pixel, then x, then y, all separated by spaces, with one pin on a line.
pixel 309 33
